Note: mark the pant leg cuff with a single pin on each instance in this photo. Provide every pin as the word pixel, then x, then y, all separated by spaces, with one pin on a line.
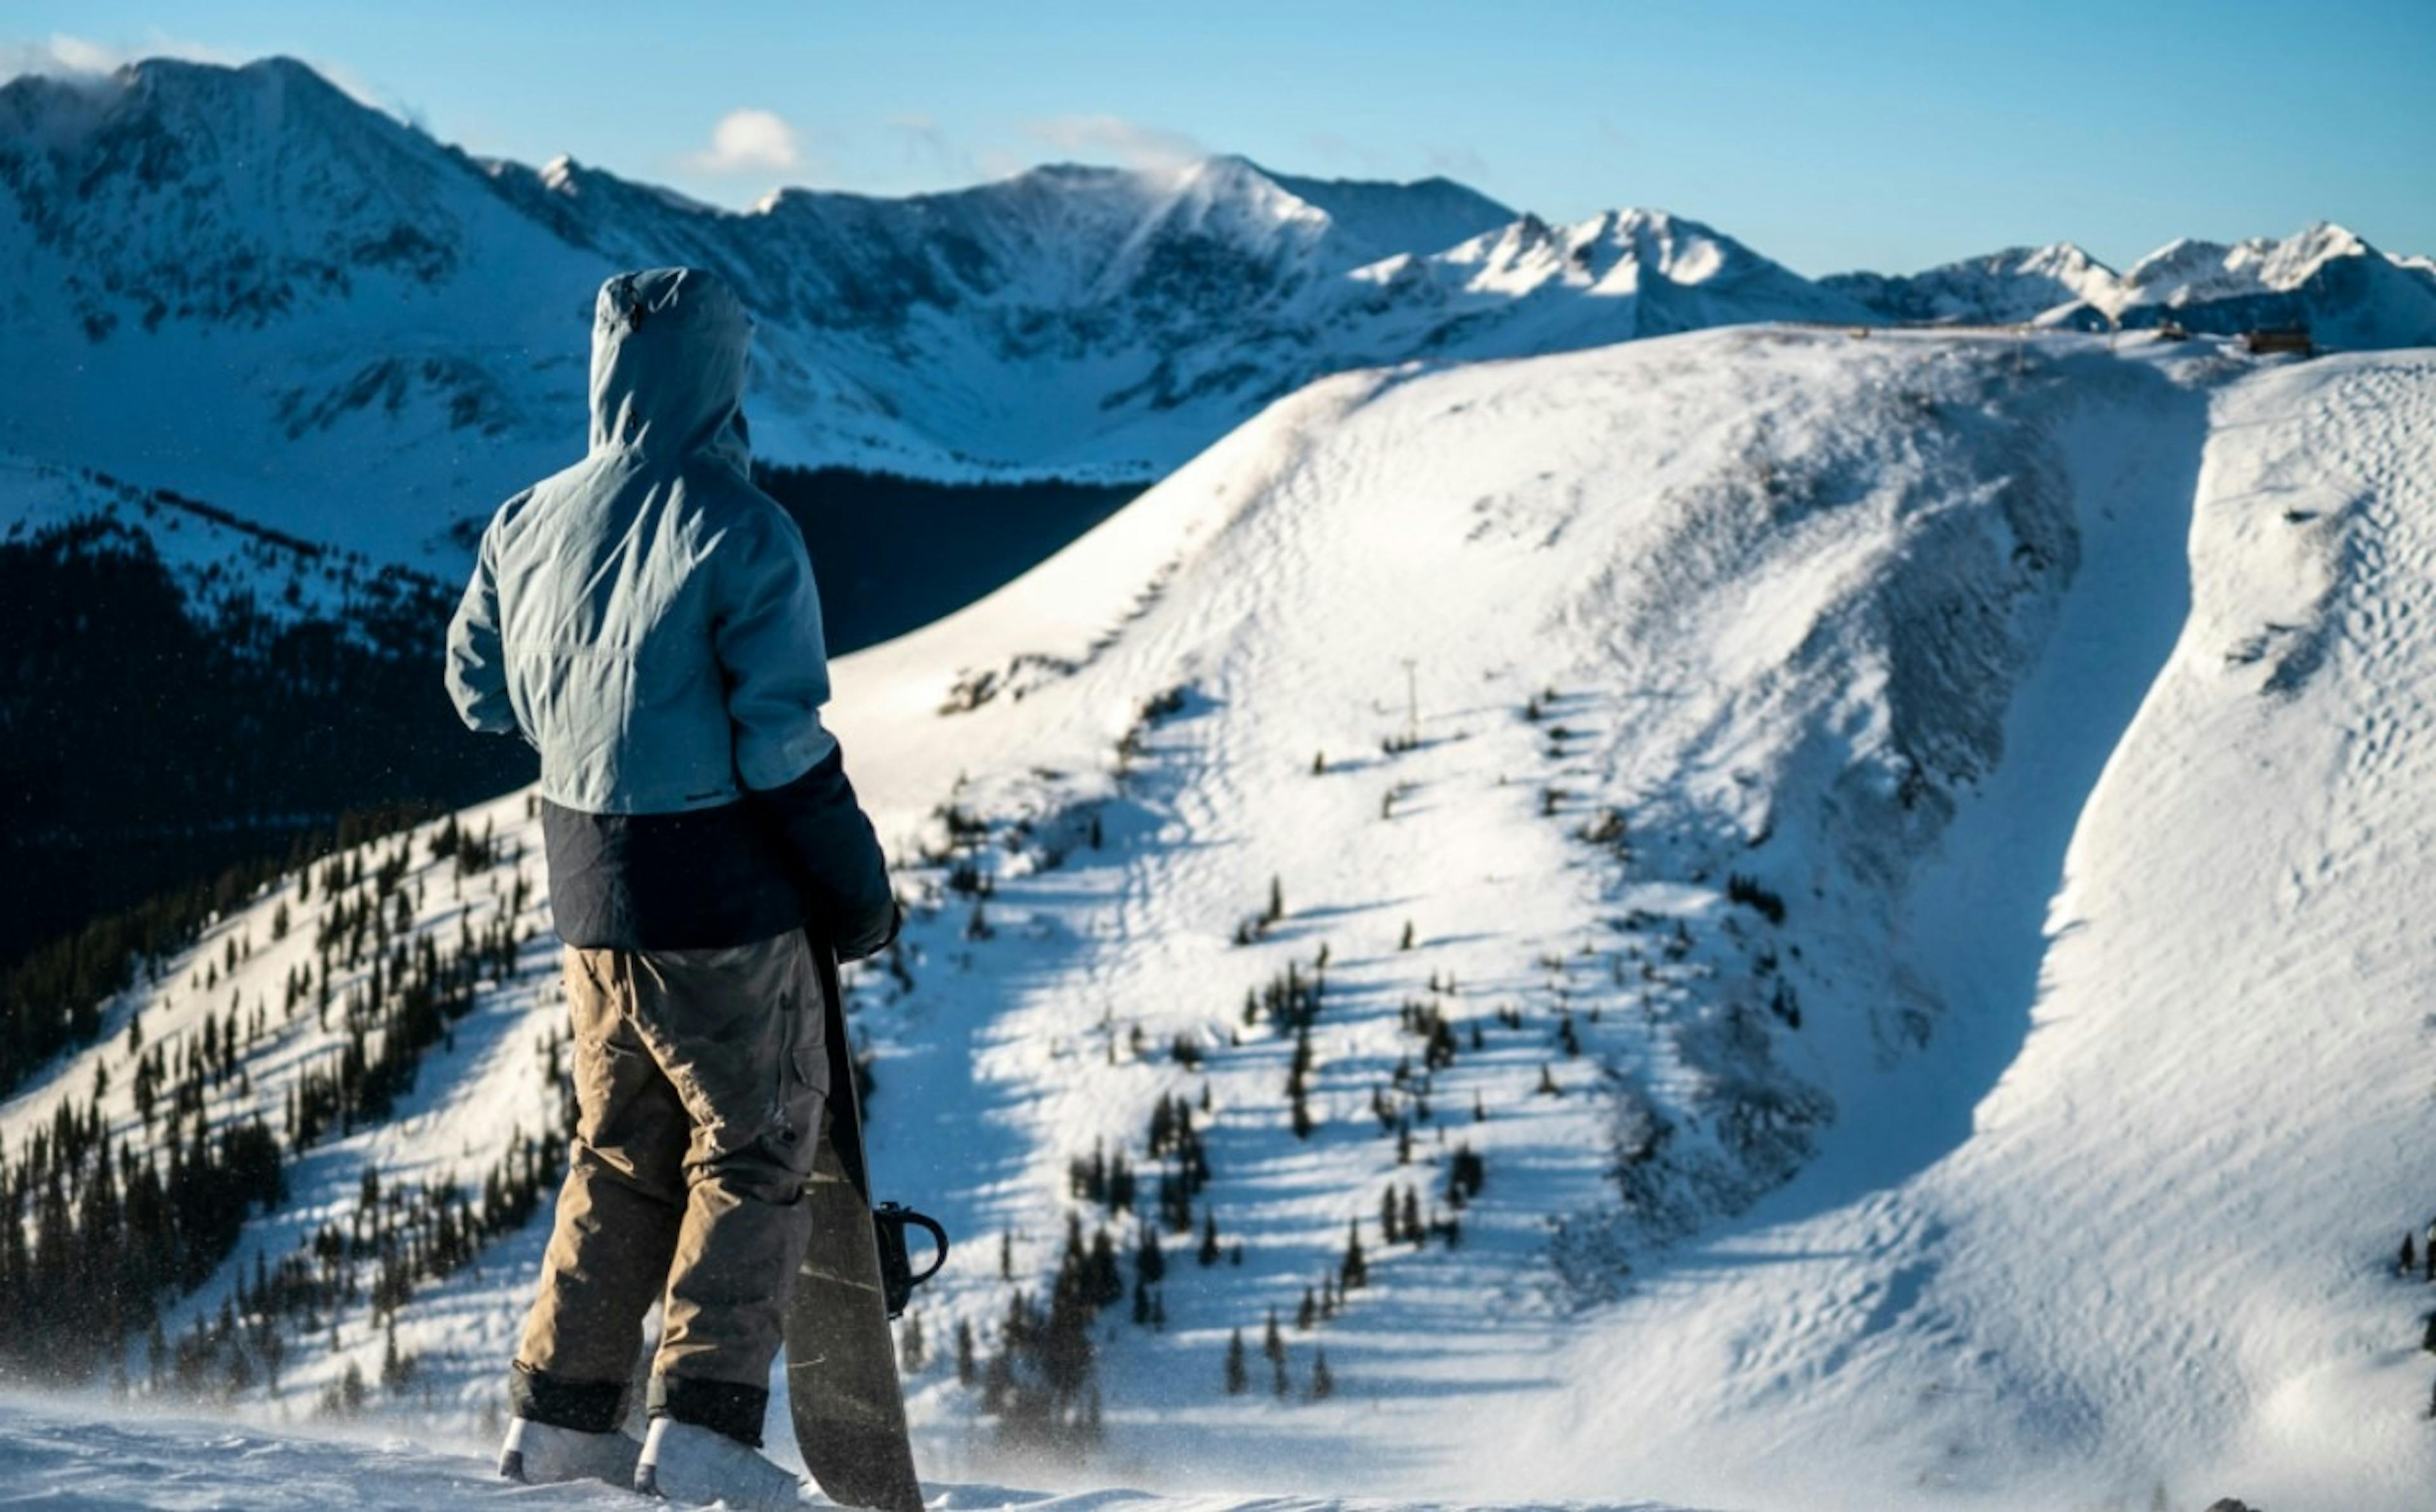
pixel 721 1406
pixel 585 1406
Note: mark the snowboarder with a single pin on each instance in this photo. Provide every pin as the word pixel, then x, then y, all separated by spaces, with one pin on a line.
pixel 647 619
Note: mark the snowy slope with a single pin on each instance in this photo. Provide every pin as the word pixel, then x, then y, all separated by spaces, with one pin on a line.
pixel 2158 1258
pixel 1574 672
pixel 155 1463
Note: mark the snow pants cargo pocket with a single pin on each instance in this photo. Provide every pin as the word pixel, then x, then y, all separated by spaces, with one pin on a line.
pixel 701 1081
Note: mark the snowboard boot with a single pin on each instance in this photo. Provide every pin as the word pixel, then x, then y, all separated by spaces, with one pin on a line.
pixel 693 1465
pixel 541 1453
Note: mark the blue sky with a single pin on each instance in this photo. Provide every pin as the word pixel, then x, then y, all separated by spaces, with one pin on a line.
pixel 1827 135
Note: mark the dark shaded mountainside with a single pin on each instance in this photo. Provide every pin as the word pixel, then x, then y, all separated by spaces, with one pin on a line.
pixel 164 725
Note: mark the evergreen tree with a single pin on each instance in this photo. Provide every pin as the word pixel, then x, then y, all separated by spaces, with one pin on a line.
pixel 396 1370
pixel 1354 1271
pixel 1309 1311
pixel 1150 1261
pixel 1273 1344
pixel 1297 1087
pixel 1413 1229
pixel 1237 1376
pixel 964 1370
pixel 1105 1282
pixel 1323 1382
pixel 1209 1255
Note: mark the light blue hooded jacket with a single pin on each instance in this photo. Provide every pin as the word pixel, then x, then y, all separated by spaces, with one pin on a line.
pixel 648 619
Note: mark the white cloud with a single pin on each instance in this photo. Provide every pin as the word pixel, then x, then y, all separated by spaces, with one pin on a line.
pixel 1129 142
pixel 61 55
pixel 748 141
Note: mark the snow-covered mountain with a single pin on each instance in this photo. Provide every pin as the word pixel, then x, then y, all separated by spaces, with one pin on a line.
pixel 2046 286
pixel 1780 844
pixel 2346 292
pixel 243 284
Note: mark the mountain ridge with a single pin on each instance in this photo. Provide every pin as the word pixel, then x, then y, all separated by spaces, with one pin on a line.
pixel 2324 277
pixel 275 297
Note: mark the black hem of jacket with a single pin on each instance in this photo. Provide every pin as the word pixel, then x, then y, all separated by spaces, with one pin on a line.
pixel 793 857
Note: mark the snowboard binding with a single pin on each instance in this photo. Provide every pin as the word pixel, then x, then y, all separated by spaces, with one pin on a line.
pixel 896 1278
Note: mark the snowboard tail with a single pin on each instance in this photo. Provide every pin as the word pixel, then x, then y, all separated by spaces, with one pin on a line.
pixel 841 1386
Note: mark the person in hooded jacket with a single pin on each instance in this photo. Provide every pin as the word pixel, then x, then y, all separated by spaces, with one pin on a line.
pixel 647 619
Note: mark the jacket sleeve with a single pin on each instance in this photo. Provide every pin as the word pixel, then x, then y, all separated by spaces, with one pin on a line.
pixel 838 858
pixel 478 673
pixel 768 641
pixel 766 632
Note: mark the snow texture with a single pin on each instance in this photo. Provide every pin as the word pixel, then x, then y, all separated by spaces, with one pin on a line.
pixel 1955 791
pixel 144 1463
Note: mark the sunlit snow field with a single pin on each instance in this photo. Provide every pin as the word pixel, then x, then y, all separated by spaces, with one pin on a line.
pixel 2049 1150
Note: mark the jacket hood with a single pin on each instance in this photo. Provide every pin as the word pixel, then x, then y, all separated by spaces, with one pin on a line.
pixel 669 347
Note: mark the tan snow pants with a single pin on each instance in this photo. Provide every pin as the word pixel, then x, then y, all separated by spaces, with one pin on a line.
pixel 701 1077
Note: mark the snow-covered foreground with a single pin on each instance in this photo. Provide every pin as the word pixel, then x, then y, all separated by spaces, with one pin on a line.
pixel 1911 841
pixel 143 1463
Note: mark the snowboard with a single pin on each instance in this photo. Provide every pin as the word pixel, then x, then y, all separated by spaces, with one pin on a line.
pixel 842 1386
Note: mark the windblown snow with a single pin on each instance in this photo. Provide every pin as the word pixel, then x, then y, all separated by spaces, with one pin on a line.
pixel 1910 838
